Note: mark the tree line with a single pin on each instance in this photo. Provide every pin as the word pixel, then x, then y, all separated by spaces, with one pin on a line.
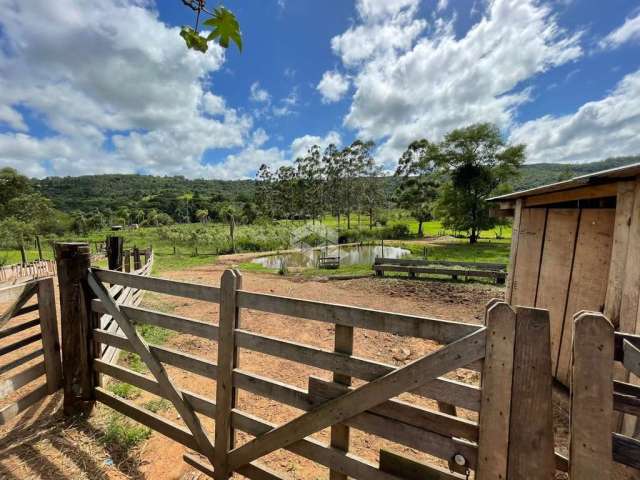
pixel 449 180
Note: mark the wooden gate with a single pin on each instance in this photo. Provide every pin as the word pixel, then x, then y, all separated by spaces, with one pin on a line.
pixel 512 438
pixel 29 347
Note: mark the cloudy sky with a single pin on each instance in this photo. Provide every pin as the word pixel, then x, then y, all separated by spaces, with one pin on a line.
pixel 108 86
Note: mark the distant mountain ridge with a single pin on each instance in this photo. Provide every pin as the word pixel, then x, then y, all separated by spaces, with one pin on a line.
pixel 146 191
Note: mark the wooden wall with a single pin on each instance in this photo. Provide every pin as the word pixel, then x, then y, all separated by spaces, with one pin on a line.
pixel 560 261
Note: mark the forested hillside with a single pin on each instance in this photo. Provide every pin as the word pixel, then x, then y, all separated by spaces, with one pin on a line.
pixel 162 193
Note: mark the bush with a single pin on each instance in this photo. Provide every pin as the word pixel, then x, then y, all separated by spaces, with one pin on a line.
pixel 124 390
pixel 123 432
pixel 397 231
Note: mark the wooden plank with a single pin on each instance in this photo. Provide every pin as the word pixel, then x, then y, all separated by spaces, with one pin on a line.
pixel 591 397
pixel 155 367
pixel 155 422
pixel 555 271
pixel 413 470
pixel 531 453
pixel 418 262
pixel 631 358
pixel 159 285
pixel 408 378
pixel 50 338
pixel 20 343
pixel 7 332
pixel 224 385
pixel 621 232
pixel 172 322
pixel 626 450
pixel 580 193
pixel 24 294
pixel 13 292
pixel 440 271
pixel 340 433
pixel 513 253
pixel 441 331
pixel 173 357
pixel 495 411
pixel 339 363
pixel 13 409
pixel 20 361
pixel 618 342
pixel 527 266
pixel 588 278
pixel 321 391
pixel 253 471
pixel 19 380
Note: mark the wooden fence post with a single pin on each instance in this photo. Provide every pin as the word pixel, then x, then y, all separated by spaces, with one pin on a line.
pixel 127 261
pixel 591 397
pixel 50 340
pixel 340 433
pixel 74 260
pixel 531 444
pixel 137 264
pixel 39 247
pixel 497 376
pixel 227 356
pixel 114 252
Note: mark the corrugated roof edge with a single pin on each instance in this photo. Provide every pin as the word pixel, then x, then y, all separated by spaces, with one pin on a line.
pixel 617 173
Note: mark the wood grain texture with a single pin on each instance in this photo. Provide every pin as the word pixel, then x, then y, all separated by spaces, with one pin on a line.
pixel 408 378
pixel 513 253
pixel 555 271
pixel 527 264
pixel 497 375
pixel 50 338
pixel 409 469
pixel 588 278
pixel 531 451
pixel 340 433
pixel 631 358
pixel 591 397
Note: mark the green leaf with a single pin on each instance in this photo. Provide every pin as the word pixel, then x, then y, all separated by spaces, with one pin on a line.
pixel 225 28
pixel 193 40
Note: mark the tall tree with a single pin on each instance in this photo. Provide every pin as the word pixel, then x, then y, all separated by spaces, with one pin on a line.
pixel 352 161
pixel 476 160
pixel 310 182
pixel 418 185
pixel 265 191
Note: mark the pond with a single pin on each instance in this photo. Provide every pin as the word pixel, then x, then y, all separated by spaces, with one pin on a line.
pixel 351 255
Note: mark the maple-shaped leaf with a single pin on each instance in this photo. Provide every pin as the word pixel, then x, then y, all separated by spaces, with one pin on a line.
pixel 225 28
pixel 194 40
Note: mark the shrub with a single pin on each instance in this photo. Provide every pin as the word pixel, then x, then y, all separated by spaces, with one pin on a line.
pixel 396 231
pixel 124 390
pixel 124 433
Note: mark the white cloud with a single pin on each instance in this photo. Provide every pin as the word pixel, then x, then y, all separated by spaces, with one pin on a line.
pixel 259 94
pixel 442 5
pixel 333 86
pixel 424 82
pixel 627 32
pixel 116 87
pixel 301 145
pixel 287 104
pixel 600 129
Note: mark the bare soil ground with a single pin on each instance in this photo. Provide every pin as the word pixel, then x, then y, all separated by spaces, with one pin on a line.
pixel 40 444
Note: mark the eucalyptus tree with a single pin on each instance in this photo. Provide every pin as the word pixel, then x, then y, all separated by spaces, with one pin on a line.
pixel 352 161
pixel 333 180
pixel 265 191
pixel 309 170
pixel 418 185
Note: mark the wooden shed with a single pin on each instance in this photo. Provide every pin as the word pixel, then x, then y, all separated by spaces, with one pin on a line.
pixel 576 246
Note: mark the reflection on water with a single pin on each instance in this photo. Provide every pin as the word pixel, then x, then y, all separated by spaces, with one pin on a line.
pixel 352 255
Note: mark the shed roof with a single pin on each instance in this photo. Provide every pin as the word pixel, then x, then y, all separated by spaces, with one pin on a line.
pixel 596 178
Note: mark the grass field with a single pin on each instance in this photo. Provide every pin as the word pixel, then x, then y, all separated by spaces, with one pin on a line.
pixel 188 245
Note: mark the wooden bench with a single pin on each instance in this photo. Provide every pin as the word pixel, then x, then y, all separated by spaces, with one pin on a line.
pixel 329 262
pixel 413 267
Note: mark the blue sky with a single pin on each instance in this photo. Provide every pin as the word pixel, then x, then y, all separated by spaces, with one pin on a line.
pixel 99 87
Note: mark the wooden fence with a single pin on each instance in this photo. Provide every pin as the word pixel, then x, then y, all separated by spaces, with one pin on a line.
pixel 414 267
pixel 29 347
pixel 22 272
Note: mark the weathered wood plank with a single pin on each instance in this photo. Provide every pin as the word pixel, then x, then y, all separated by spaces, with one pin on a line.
pixel 531 451
pixel 580 193
pixel 449 263
pixel 13 409
pixel 408 378
pixel 19 380
pixel 224 385
pixel 340 433
pixel 588 278
pixel 631 358
pixel 20 361
pixel 626 450
pixel 253 471
pixel 413 470
pixel 513 253
pixel 50 338
pixel 440 271
pixel 441 331
pixel 527 262
pixel 497 376
pixel 321 391
pixel 7 332
pixel 555 271
pixel 591 397
pixel 155 367
pixel 172 322
pixel 159 285
pixel 24 293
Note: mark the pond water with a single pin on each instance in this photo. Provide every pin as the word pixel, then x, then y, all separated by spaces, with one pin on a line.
pixel 351 255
